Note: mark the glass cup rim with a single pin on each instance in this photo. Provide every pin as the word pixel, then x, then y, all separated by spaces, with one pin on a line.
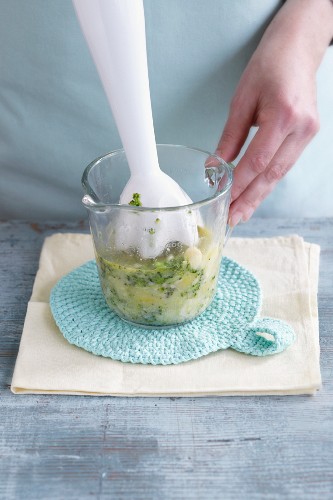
pixel 95 202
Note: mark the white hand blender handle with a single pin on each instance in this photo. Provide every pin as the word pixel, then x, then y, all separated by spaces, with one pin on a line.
pixel 115 34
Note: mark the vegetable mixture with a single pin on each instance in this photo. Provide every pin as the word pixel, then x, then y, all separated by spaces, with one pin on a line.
pixel 172 288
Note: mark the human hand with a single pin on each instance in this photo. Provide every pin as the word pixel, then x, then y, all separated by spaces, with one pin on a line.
pixel 277 93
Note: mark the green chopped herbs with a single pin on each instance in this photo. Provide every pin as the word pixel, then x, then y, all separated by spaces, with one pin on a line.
pixel 161 291
pixel 136 201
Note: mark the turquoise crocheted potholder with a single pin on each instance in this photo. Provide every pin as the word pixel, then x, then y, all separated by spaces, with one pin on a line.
pixel 84 318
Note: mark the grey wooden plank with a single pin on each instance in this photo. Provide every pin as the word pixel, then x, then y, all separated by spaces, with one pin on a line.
pixel 232 448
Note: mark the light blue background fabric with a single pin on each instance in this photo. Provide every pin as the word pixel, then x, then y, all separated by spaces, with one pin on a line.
pixel 54 116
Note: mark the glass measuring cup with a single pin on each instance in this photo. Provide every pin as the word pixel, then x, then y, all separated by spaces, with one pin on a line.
pixel 180 283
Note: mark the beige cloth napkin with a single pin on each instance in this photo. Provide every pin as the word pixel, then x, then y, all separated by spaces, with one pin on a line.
pixel 287 269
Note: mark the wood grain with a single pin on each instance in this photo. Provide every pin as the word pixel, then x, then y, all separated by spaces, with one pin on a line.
pixel 80 447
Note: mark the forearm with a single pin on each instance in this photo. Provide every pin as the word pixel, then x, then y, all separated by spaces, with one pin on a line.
pixel 305 25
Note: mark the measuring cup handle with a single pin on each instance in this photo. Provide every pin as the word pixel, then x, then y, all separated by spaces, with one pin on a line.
pixel 228 232
pixel 229 228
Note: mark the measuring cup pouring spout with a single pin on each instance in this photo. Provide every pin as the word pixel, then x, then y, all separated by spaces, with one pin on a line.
pixel 90 204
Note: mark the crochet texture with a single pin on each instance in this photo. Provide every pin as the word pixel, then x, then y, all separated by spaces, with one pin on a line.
pixel 231 321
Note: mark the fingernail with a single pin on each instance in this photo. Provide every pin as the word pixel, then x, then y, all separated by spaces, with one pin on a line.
pixel 247 216
pixel 212 162
pixel 235 219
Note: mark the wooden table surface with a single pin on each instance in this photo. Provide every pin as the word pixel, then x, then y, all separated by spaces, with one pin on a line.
pixel 82 447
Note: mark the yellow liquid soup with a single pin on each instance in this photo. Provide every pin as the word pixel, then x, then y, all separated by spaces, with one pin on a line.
pixel 172 288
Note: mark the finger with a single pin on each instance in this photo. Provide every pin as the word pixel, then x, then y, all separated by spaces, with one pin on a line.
pixel 212 161
pixel 244 206
pixel 257 157
pixel 236 130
